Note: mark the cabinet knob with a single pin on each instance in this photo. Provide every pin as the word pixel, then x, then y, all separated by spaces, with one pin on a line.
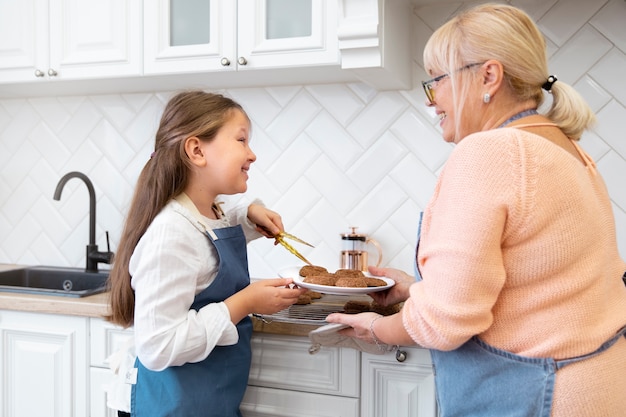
pixel 242 61
pixel 400 355
pixel 39 73
pixel 225 62
pixel 52 73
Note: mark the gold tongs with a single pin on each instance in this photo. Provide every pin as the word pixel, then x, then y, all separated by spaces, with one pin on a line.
pixel 280 238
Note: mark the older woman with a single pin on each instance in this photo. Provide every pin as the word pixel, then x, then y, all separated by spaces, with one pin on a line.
pixel 519 293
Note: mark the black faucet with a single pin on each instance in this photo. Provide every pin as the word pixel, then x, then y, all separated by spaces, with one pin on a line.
pixel 93 255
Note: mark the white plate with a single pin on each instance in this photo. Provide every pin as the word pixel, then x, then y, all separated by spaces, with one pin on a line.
pixel 294 272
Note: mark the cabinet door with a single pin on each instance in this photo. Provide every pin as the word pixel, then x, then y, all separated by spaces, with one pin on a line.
pixel 399 389
pixel 189 35
pixel 44 365
pixel 23 40
pixel 95 38
pixel 287 33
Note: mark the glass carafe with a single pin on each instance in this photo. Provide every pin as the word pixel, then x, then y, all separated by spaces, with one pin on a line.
pixel 354 252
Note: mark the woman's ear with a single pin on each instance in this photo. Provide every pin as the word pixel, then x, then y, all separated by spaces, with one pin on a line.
pixel 493 75
pixel 194 151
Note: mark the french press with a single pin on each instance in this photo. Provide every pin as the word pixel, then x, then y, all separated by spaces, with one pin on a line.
pixel 354 252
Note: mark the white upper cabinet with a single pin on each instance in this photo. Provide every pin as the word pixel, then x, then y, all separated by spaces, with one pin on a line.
pixel 60 47
pixel 69 40
pixel 191 36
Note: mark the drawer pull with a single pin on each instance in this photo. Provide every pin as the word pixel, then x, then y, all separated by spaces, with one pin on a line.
pixel 400 355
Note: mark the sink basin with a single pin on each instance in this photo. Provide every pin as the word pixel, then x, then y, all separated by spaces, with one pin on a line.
pixel 50 280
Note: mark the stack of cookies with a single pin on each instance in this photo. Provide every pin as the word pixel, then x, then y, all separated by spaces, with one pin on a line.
pixel 349 278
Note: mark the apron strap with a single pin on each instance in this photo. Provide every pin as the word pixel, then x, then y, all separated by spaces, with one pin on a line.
pixel 606 345
pixel 184 200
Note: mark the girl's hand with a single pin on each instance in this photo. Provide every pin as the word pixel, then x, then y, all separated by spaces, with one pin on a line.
pixel 265 296
pixel 270 296
pixel 269 223
pixel 396 294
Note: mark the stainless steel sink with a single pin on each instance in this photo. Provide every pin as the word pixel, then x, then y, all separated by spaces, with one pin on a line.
pixel 50 280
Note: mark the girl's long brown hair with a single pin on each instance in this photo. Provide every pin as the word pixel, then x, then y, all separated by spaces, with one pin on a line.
pixel 165 175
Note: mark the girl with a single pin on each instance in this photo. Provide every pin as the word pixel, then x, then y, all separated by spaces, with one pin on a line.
pixel 180 276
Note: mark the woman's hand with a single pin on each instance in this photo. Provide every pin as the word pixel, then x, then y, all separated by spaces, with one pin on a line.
pixel 396 294
pixel 373 328
pixel 269 223
pixel 359 324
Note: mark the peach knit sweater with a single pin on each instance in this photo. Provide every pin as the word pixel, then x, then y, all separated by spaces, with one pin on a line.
pixel 518 246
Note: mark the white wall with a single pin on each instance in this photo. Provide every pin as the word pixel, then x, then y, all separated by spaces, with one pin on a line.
pixel 329 156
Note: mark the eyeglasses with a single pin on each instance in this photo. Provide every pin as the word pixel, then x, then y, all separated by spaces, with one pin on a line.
pixel 429 86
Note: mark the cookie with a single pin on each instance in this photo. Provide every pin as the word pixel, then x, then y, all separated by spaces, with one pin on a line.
pixel 307 270
pixel 303 299
pixel 349 273
pixel 314 295
pixel 385 310
pixel 375 282
pixel 320 280
pixel 356 306
pixel 351 282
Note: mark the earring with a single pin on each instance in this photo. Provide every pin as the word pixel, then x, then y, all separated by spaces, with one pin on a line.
pixel 486 98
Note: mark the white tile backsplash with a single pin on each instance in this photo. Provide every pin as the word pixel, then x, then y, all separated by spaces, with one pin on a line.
pixel 585 48
pixel 563 19
pixel 610 22
pixel 329 156
pixel 609 73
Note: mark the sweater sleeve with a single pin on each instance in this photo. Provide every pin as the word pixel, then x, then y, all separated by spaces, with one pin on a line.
pixel 460 257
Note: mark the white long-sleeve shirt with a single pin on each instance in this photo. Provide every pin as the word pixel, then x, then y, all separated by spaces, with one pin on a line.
pixel 173 261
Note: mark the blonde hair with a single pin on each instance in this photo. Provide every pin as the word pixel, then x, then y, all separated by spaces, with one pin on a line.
pixel 165 175
pixel 508 35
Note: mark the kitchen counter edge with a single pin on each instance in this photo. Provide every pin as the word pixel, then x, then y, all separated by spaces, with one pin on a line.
pixel 96 306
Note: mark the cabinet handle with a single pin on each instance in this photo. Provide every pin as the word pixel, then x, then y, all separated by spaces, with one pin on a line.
pixel 400 355
pixel 242 61
pixel 52 73
pixel 39 73
pixel 225 62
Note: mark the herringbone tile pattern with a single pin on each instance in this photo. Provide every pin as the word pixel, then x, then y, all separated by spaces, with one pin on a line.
pixel 329 156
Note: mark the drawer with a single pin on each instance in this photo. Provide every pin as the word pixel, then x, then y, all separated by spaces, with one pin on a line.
pixel 285 362
pixel 272 402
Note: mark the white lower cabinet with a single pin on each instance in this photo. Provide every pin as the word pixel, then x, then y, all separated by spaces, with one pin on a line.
pixel 398 385
pixel 285 380
pixel 44 365
pixel 54 366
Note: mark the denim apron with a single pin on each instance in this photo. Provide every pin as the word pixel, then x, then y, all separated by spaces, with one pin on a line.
pixel 478 379
pixel 215 386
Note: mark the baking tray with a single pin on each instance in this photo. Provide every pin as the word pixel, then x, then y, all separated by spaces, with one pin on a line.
pixel 314 313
